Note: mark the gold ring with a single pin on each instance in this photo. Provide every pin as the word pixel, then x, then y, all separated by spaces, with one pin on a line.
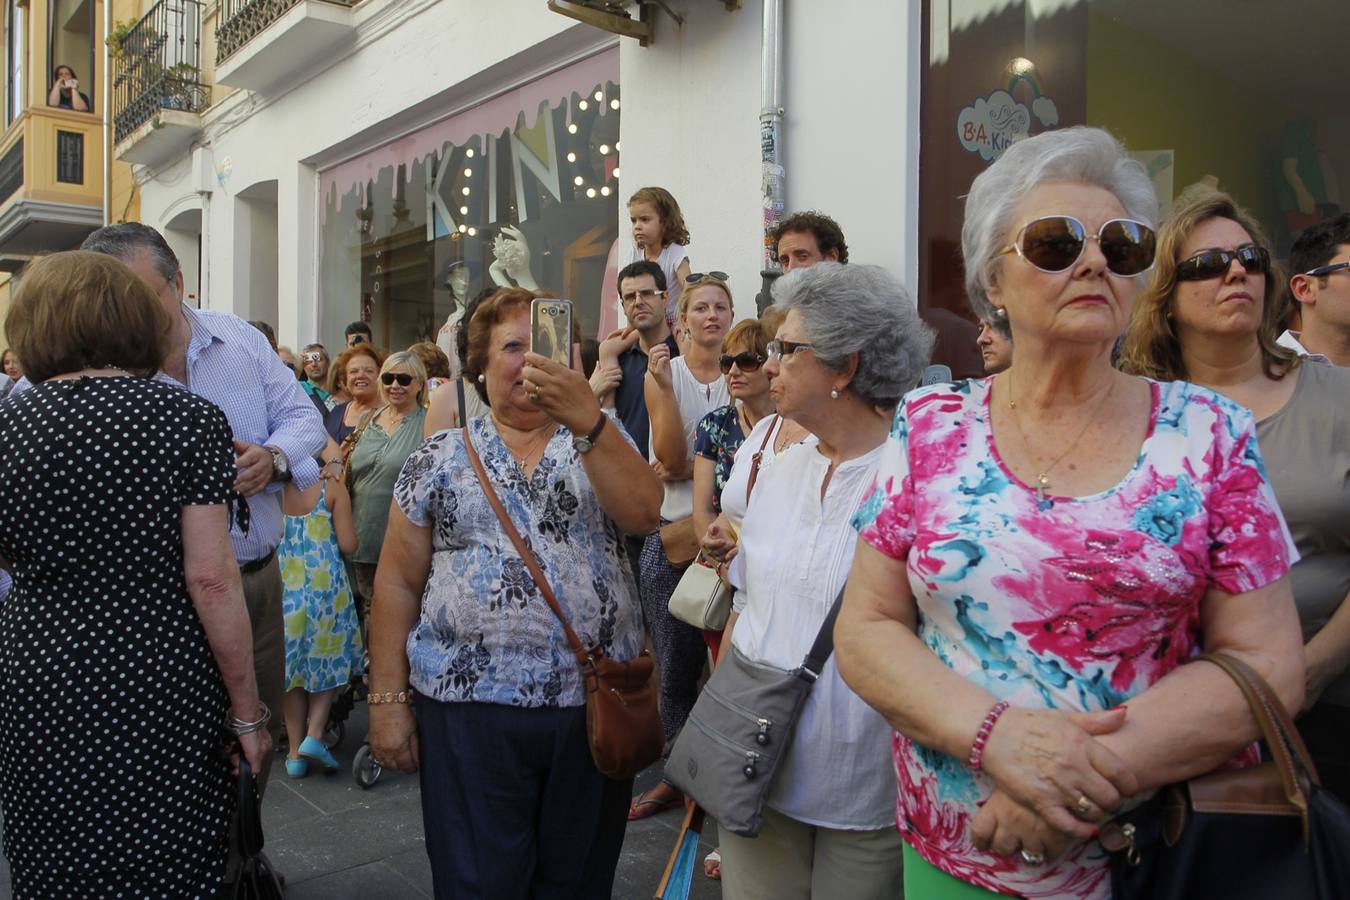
pixel 1084 805
pixel 534 395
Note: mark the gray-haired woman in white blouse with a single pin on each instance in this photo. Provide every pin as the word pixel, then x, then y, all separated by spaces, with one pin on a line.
pixel 850 345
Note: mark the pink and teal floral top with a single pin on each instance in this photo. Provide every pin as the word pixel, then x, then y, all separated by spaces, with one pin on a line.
pixel 1074 603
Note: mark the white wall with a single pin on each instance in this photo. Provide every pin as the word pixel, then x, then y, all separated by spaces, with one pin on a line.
pixel 690 123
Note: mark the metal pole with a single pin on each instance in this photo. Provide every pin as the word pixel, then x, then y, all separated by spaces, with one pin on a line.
pixel 107 113
pixel 772 179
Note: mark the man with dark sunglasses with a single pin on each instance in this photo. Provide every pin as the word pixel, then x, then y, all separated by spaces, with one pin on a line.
pixel 1320 287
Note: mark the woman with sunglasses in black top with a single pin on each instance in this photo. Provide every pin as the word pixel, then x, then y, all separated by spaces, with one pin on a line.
pixel 385 443
pixel 1211 315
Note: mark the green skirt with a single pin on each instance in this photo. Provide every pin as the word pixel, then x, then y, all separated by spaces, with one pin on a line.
pixel 925 881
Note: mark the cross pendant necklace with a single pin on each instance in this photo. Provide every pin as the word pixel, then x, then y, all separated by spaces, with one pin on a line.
pixel 1043 502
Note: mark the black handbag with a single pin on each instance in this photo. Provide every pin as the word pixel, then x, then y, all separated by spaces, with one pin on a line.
pixel 257 880
pixel 1261 832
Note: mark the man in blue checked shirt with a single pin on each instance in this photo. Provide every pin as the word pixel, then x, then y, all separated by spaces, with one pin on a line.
pixel 277 431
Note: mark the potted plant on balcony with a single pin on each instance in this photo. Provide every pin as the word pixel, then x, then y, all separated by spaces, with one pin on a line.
pixel 182 87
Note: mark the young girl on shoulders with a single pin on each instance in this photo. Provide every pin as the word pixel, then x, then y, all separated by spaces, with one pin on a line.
pixel 660 235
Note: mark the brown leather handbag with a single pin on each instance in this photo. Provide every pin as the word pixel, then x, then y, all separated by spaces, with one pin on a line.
pixel 622 724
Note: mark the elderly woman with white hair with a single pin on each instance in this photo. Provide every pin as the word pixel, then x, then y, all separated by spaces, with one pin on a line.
pixel 1052 542
pixel 851 344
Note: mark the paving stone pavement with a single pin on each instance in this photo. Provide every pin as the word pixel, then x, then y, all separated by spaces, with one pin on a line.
pixel 334 840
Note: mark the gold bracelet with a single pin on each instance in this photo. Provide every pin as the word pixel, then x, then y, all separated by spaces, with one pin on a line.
pixel 404 696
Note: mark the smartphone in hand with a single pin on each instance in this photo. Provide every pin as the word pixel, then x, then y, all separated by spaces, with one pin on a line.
pixel 551 329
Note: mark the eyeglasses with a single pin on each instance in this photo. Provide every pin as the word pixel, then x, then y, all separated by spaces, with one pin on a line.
pixel 1053 244
pixel 402 378
pixel 1324 271
pixel 746 362
pixel 779 349
pixel 644 294
pixel 696 277
pixel 1215 262
pixel 312 357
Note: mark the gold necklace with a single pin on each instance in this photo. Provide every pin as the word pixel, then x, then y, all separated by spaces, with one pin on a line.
pixel 541 439
pixel 1043 479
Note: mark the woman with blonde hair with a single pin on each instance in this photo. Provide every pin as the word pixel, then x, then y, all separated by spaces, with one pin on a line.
pixel 385 439
pixel 1211 315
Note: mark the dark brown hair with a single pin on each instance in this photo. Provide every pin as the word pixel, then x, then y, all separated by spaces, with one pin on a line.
pixel 673 230
pixel 80 310
pixel 489 314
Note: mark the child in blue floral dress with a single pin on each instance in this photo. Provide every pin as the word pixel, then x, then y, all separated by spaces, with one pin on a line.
pixel 323 639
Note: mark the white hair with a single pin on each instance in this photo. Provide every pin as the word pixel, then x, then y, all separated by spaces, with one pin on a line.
pixel 1080 154
pixel 848 309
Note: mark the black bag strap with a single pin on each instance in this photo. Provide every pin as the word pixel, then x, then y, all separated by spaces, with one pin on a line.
pixel 459 392
pixel 823 646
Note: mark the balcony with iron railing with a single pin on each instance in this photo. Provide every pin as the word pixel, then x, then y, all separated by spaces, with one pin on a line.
pixel 158 94
pixel 263 43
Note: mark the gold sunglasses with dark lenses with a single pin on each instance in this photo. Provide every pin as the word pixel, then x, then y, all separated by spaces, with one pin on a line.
pixel 696 277
pixel 1054 244
pixel 746 362
pixel 1215 262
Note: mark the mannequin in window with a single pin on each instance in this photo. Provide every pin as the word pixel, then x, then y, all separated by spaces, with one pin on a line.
pixel 66 91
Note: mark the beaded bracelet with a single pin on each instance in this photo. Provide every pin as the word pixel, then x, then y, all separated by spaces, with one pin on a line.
pixel 976 759
pixel 239 727
pixel 374 698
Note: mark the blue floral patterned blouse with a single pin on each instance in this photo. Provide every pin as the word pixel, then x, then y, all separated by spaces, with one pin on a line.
pixel 718 437
pixel 485 633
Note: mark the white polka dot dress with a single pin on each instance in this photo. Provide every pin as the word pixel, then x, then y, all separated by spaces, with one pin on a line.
pixel 111 702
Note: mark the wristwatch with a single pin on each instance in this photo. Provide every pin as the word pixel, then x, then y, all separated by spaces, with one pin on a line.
pixel 585 444
pixel 281 466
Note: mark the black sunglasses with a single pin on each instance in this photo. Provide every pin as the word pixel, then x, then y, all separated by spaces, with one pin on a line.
pixel 696 277
pixel 1054 244
pixel 1330 269
pixel 402 378
pixel 1213 263
pixel 746 362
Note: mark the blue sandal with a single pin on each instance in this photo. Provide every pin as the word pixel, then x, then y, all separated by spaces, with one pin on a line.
pixel 297 768
pixel 313 750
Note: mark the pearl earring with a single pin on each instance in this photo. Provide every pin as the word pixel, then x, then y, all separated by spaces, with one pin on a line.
pixel 481 378
pixel 834 393
pixel 1001 312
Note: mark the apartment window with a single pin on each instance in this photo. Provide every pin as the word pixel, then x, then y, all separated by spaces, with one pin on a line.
pixel 1199 93
pixel 14 42
pixel 70 41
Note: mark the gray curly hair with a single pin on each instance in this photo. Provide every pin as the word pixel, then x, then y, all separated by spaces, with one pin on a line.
pixel 848 309
pixel 1081 154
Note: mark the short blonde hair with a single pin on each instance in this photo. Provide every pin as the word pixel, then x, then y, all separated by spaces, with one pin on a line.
pixel 410 361
pixel 705 281
pixel 1152 347
pixel 80 310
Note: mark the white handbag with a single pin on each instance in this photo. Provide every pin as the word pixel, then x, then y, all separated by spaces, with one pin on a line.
pixel 702 598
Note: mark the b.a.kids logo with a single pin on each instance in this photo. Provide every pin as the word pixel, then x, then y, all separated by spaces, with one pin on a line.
pixel 991 124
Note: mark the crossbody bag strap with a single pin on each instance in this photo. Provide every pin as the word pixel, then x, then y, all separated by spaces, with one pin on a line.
pixel 823 645
pixel 526 554
pixel 463 404
pixel 759 454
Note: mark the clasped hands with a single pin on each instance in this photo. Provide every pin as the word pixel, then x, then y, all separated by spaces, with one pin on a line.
pixel 1055 782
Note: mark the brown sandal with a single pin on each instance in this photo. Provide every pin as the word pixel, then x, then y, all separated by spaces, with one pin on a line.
pixel 644 806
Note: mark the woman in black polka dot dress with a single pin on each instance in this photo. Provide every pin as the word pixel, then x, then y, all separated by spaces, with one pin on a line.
pixel 124 641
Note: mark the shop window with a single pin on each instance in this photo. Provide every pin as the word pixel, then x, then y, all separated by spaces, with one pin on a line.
pixel 14 41
pixel 70 42
pixel 519 190
pixel 1195 90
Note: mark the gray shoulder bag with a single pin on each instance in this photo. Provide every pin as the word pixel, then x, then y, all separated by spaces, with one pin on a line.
pixel 730 749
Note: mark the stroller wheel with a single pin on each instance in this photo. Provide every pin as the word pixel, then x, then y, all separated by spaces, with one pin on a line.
pixel 335 734
pixel 365 769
